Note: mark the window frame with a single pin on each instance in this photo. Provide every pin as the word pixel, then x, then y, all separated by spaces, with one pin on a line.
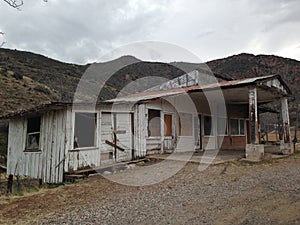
pixel 38 148
pixel 239 126
pixel 148 124
pixel 96 125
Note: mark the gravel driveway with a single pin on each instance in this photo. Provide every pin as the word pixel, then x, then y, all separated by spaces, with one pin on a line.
pixel 231 193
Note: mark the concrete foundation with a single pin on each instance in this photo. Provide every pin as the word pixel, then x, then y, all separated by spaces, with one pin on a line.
pixel 286 148
pixel 254 152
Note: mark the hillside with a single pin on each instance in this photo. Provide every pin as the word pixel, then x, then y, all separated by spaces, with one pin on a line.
pixel 28 79
pixel 249 65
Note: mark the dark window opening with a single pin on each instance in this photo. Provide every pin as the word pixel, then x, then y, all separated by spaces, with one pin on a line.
pixel 85 130
pixel 154 123
pixel 237 127
pixel 33 133
pixel 208 131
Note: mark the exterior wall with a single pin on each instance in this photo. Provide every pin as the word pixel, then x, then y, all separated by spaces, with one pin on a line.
pixel 46 164
pixel 58 155
pixel 99 154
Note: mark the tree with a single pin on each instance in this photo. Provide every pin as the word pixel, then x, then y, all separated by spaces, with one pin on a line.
pixel 17 3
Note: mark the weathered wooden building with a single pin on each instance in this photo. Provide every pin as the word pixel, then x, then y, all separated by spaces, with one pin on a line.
pixel 48 141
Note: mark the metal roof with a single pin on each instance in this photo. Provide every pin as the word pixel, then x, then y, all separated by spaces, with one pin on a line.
pixel 150 95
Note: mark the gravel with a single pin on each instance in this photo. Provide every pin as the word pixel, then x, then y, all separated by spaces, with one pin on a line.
pixel 264 193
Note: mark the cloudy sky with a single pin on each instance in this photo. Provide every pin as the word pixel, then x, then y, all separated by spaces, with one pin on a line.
pixel 81 31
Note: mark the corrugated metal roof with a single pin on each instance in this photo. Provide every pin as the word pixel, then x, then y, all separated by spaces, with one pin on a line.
pixel 149 95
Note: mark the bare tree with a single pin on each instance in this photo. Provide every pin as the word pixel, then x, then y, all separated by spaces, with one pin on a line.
pixel 17 3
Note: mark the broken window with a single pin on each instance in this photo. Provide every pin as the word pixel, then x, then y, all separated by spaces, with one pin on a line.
pixel 186 124
pixel 237 127
pixel 33 133
pixel 154 123
pixel 168 125
pixel 222 126
pixel 85 130
pixel 208 131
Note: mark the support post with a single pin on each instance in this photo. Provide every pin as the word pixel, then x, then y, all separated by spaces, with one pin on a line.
pixel 285 145
pixel 254 151
pixel 9 184
pixel 253 116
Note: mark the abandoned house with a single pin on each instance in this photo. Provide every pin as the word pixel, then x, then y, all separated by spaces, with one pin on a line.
pixel 50 140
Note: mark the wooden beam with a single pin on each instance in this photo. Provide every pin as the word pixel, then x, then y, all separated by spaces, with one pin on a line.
pixel 285 120
pixel 114 145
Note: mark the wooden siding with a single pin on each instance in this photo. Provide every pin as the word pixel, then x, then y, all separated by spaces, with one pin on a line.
pixel 46 164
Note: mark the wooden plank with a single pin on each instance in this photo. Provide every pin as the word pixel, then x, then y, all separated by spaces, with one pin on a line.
pixel 114 145
pixel 285 120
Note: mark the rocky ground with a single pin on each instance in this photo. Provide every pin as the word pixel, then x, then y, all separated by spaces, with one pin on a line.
pixel 231 193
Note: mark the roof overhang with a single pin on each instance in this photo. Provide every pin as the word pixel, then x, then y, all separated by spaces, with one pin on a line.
pixel 269 88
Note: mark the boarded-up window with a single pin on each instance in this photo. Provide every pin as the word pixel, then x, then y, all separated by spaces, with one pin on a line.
pixel 168 125
pixel 154 123
pixel 85 130
pixel 33 133
pixel 208 126
pixel 237 126
pixel 222 126
pixel 186 124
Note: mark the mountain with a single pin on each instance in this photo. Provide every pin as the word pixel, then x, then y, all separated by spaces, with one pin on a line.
pixel 249 65
pixel 28 79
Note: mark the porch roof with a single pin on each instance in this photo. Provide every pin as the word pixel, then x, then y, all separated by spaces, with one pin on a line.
pixel 270 87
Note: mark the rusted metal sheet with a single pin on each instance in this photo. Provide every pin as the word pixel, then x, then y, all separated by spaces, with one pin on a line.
pixel 156 94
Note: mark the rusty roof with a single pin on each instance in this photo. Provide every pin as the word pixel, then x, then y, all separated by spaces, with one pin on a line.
pixel 150 95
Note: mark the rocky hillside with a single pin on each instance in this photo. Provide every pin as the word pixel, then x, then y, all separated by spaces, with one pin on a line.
pixel 28 79
pixel 249 65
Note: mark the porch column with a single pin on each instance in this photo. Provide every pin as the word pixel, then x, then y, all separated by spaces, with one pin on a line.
pixel 254 151
pixel 253 116
pixel 285 144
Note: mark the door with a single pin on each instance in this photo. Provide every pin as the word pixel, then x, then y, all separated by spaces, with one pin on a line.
pixel 116 136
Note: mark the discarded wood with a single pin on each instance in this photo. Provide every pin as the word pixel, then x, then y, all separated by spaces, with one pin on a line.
pixel 107 166
pixel 114 145
pixel 3 168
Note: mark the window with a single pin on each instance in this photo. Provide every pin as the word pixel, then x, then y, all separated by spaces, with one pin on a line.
pixel 185 124
pixel 33 133
pixel 208 126
pixel 222 126
pixel 237 127
pixel 154 123
pixel 85 130
pixel 168 125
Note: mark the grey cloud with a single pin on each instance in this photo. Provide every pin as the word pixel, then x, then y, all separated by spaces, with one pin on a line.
pixel 81 31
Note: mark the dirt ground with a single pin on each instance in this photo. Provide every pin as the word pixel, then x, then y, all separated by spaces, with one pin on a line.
pixel 229 193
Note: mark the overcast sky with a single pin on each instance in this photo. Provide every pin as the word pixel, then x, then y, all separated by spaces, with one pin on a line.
pixel 81 31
